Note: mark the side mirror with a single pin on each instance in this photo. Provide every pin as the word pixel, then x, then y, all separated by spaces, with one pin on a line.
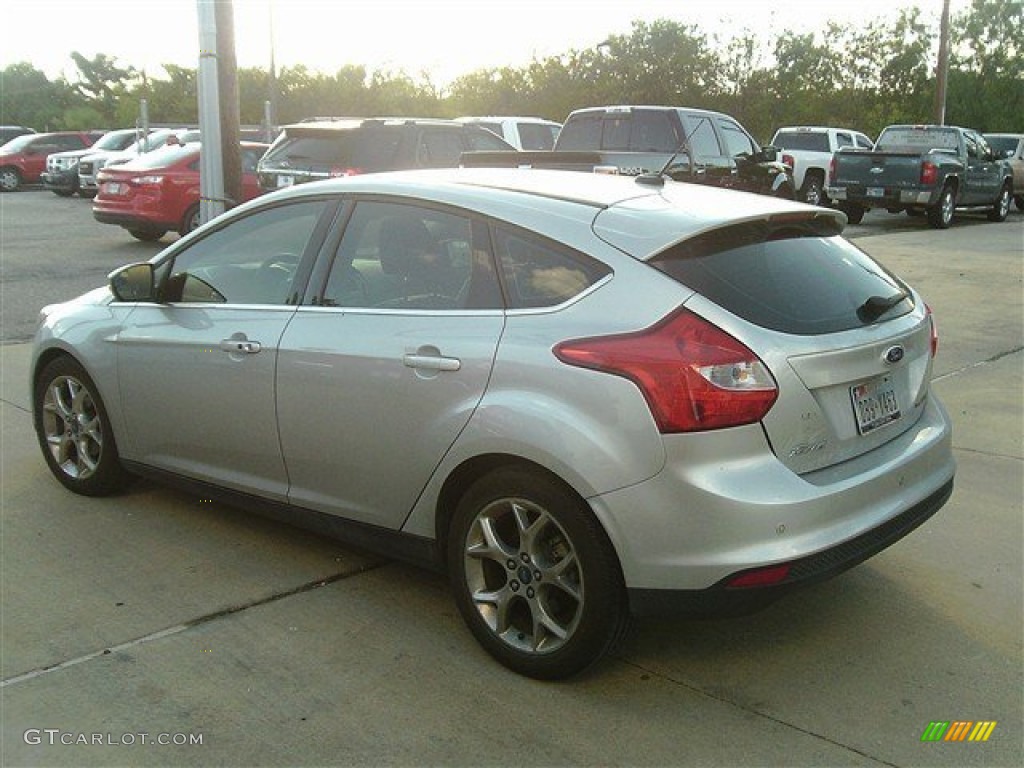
pixel 133 282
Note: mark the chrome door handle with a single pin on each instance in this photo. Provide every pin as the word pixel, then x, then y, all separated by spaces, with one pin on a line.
pixel 432 362
pixel 240 346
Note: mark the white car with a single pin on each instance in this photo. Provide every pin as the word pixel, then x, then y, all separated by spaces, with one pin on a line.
pixel 808 151
pixel 524 133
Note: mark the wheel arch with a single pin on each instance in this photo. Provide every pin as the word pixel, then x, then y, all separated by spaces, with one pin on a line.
pixel 468 472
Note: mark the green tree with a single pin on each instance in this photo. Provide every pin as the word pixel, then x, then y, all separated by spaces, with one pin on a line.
pixel 103 84
pixel 28 97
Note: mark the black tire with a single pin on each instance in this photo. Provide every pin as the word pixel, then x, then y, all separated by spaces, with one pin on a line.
pixel 86 194
pixel 1001 208
pixel 522 546
pixel 854 213
pixel 147 235
pixel 190 220
pixel 940 215
pixel 63 192
pixel 74 430
pixel 10 179
pixel 1019 201
pixel 813 191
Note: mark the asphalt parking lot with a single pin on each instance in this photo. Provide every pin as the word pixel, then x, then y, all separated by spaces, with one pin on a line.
pixel 156 628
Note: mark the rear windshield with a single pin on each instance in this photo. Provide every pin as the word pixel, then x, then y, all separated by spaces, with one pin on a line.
pixel 633 131
pixel 792 280
pixel 813 142
pixel 1000 144
pixel 912 139
pixel 344 149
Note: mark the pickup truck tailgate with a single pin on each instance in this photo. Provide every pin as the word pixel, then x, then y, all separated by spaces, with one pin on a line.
pixel 861 172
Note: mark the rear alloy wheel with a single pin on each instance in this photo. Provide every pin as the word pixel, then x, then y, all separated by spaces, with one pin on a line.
pixel 534 575
pixel 147 235
pixel 940 215
pixel 1001 209
pixel 74 432
pixel 10 179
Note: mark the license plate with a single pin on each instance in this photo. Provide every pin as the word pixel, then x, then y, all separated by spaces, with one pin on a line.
pixel 285 181
pixel 874 404
pixel 876 191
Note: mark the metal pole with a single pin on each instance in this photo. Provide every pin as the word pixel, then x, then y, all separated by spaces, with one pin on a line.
pixel 211 168
pixel 942 70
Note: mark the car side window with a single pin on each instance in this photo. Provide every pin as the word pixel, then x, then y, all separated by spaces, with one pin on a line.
pixel 395 256
pixel 972 146
pixel 536 136
pixel 439 149
pixel 252 260
pixel 863 142
pixel 844 140
pixel 736 140
pixel 541 273
pixel 701 134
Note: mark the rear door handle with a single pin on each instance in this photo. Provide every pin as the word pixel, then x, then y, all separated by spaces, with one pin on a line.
pixel 240 346
pixel 432 362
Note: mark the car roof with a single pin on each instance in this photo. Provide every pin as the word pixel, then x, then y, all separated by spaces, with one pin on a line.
pixel 671 212
pixel 625 108
pixel 350 123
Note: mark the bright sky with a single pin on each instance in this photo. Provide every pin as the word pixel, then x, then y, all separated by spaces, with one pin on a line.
pixel 444 38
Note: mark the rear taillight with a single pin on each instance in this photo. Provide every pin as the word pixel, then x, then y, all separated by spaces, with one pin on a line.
pixel 832 168
pixel 759 577
pixel 693 375
pixel 790 161
pixel 933 330
pixel 338 172
pixel 929 173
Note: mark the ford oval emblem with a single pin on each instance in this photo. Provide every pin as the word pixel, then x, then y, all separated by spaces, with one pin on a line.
pixel 894 354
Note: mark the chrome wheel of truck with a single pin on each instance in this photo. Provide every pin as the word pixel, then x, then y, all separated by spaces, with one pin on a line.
pixel 1001 209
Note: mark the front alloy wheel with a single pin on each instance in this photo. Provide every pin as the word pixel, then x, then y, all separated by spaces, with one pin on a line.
pixel 74 432
pixel 534 575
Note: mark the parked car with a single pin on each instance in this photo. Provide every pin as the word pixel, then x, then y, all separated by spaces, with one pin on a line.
pixel 330 147
pixel 1011 147
pixel 61 174
pixel 520 132
pixel 159 191
pixel 808 150
pixel 453 367
pixel 23 158
pixel 928 170
pixel 91 164
pixel 692 145
pixel 8 132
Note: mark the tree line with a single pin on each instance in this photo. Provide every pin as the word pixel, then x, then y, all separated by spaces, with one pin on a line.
pixel 863 76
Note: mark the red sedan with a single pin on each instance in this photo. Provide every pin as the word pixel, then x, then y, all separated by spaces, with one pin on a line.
pixel 159 191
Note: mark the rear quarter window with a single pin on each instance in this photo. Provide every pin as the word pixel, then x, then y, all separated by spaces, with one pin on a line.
pixel 791 280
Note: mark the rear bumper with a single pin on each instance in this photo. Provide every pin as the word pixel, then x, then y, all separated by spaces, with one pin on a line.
pixel 725 506
pixel 723 600
pixel 130 221
pixel 890 197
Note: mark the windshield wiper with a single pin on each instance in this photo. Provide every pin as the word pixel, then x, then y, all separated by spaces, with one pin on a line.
pixel 876 306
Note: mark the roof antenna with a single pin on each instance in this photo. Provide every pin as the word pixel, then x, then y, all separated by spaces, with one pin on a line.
pixel 658 179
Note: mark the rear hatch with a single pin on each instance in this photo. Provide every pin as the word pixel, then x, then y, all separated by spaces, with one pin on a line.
pixel 306 153
pixel 849 345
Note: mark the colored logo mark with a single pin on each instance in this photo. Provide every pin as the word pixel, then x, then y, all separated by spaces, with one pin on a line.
pixel 958 730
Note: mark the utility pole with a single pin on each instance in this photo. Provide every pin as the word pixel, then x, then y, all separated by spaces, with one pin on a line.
pixel 220 175
pixel 942 70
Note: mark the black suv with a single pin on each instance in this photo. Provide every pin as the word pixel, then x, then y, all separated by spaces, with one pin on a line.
pixel 322 148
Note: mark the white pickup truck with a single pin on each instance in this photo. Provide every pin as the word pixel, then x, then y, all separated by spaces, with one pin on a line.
pixel 808 151
pixel 525 133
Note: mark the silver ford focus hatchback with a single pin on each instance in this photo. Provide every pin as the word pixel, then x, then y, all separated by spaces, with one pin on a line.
pixel 584 396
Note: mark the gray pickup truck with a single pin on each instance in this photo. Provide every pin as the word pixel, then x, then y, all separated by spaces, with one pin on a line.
pixel 928 170
pixel 685 144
